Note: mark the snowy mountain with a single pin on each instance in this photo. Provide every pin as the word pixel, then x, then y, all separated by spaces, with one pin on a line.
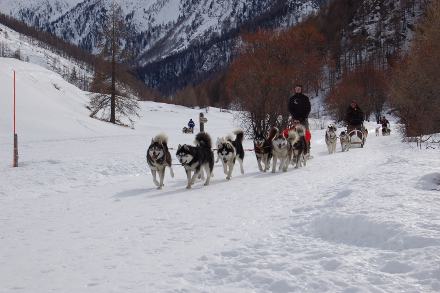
pixel 81 212
pixel 163 27
pixel 37 13
pixel 179 42
pixel 194 37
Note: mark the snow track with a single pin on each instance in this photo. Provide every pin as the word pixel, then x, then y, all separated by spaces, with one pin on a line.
pixel 81 214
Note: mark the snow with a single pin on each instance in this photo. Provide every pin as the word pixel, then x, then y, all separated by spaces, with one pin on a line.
pixel 81 213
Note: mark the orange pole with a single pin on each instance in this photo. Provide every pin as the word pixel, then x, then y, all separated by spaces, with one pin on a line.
pixel 15 163
pixel 14 105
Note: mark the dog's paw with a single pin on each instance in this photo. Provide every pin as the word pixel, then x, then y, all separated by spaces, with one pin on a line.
pixel 188 187
pixel 159 187
pixel 228 178
pixel 206 184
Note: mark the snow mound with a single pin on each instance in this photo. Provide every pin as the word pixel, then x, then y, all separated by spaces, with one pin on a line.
pixel 361 231
pixel 429 182
pixel 48 107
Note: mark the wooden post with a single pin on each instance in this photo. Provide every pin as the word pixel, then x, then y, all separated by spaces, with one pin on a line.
pixel 202 124
pixel 15 162
pixel 15 150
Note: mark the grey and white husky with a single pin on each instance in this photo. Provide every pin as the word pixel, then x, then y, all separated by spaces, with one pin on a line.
pixel 345 141
pixel 282 151
pixel 331 138
pixel 229 150
pixel 158 158
pixel 198 157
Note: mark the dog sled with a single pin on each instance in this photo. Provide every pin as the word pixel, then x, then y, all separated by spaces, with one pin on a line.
pixel 187 130
pixel 356 136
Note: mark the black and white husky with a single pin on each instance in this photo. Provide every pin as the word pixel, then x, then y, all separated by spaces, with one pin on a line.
pixel 331 138
pixel 229 150
pixel 263 148
pixel 299 146
pixel 198 157
pixel 158 158
pixel 345 141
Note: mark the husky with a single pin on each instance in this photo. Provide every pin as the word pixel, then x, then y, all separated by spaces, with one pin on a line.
pixel 194 158
pixel 377 130
pixel 331 138
pixel 282 150
pixel 158 158
pixel 229 150
pixel 386 131
pixel 345 141
pixel 299 146
pixel 263 148
pixel 187 130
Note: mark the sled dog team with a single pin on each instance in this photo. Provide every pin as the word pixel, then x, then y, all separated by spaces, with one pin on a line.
pixel 198 159
pixel 282 148
pixel 345 139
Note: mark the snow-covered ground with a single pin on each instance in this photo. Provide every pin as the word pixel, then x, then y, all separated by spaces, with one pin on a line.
pixel 81 213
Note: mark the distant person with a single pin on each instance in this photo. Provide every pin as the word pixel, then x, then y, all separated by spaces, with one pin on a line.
pixel 385 126
pixel 299 106
pixel 354 117
pixel 385 123
pixel 191 125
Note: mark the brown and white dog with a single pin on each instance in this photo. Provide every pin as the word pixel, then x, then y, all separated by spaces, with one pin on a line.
pixel 297 137
pixel 158 158
pixel 263 148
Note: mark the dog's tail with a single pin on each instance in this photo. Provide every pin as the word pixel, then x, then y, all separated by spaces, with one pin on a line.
pixel 293 136
pixel 161 138
pixel 239 135
pixel 203 140
pixel 273 133
pixel 301 130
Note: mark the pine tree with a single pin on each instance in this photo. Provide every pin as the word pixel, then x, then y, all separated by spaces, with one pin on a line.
pixel 108 82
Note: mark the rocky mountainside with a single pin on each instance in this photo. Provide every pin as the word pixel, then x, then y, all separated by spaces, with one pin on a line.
pixel 177 42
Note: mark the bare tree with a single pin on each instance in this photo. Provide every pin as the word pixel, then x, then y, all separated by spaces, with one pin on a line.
pixel 416 82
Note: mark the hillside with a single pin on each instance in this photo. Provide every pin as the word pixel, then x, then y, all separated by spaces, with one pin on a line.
pixel 81 212
pixel 14 44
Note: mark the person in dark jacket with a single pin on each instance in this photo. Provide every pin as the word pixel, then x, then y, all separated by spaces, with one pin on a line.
pixel 191 125
pixel 354 117
pixel 299 106
pixel 385 123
